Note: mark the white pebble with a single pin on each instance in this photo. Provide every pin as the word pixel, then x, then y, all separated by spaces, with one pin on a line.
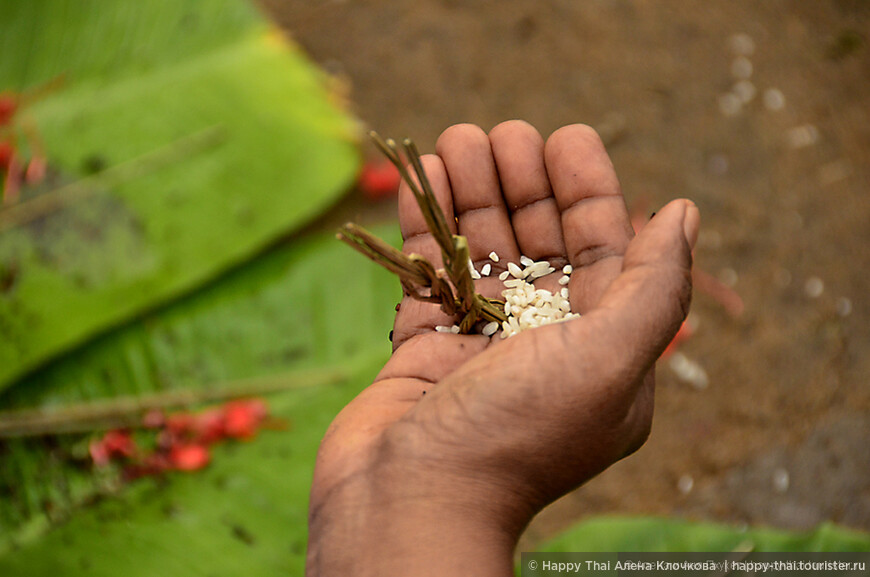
pixel 844 307
pixel 689 371
pixel 493 257
pixel 728 276
pixel 730 104
pixel 741 44
pixel 781 480
pixel 685 484
pixel 745 91
pixel 802 136
pixel 814 287
pixel 741 68
pixel 773 99
pixel 486 269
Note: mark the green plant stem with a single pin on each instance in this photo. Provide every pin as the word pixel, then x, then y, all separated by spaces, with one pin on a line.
pixel 128 411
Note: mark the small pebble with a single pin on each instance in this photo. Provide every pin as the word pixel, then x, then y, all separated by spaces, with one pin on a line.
pixel 741 44
pixel 745 91
pixel 774 99
pixel 814 287
pixel 802 136
pixel 685 484
pixel 782 277
pixel 834 172
pixel 729 277
pixel 844 307
pixel 741 68
pixel 780 480
pixel 730 104
pixel 689 371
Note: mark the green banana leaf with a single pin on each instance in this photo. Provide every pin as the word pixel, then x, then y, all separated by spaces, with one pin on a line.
pixel 245 515
pixel 654 534
pixel 307 303
pixel 183 138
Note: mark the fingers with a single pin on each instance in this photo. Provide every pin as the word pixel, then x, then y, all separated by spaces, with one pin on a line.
pixel 477 199
pixel 595 221
pixel 518 150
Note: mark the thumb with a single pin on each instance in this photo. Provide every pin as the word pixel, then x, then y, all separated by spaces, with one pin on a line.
pixel 646 304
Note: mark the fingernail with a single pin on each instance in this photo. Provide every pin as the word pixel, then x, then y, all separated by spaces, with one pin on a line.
pixel 691 223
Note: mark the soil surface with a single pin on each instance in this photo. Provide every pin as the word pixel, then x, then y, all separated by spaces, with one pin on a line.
pixel 778 164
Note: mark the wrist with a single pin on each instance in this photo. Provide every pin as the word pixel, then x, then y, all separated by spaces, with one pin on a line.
pixel 392 519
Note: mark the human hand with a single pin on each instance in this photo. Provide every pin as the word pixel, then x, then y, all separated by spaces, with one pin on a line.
pixel 440 464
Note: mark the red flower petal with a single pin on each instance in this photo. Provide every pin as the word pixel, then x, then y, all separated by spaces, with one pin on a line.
pixel 242 418
pixel 379 180
pixel 189 457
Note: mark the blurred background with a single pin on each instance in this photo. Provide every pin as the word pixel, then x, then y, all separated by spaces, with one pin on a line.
pixel 196 158
pixel 758 112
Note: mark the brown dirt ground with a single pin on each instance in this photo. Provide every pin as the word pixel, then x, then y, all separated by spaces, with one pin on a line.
pixel 780 435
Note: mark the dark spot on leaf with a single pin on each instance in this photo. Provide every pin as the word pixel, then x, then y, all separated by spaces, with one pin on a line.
pixel 8 276
pixel 242 535
pixel 93 163
pixel 390 336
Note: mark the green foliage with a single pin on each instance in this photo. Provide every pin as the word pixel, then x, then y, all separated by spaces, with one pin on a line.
pixel 246 514
pixel 291 309
pixel 210 138
pixel 638 534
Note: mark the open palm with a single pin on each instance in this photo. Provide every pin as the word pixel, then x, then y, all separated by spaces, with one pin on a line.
pixel 505 426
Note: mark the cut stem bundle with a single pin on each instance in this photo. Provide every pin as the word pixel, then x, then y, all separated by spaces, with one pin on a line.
pixel 452 287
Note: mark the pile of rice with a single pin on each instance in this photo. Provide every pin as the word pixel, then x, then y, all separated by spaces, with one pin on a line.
pixel 526 307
